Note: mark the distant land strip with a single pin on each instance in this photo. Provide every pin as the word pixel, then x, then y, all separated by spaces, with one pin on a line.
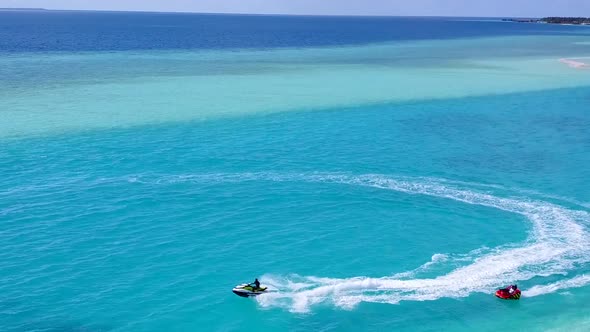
pixel 552 20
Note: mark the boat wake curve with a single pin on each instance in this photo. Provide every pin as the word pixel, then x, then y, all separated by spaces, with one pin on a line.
pixel 558 241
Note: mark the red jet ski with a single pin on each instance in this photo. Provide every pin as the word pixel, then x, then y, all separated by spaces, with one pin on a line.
pixel 505 293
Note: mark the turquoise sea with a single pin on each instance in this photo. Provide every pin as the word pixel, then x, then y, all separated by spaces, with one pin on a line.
pixel 378 174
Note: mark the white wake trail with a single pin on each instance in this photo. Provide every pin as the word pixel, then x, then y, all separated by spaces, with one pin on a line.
pixel 576 282
pixel 557 242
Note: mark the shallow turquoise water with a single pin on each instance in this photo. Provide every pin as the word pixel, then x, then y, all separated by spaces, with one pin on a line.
pixel 389 186
pixel 125 230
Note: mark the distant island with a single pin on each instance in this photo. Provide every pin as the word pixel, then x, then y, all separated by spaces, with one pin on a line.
pixel 552 20
pixel 567 20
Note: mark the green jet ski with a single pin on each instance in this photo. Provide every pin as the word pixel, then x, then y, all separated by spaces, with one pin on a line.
pixel 248 290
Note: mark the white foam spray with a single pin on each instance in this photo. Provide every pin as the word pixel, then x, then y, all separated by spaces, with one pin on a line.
pixel 576 282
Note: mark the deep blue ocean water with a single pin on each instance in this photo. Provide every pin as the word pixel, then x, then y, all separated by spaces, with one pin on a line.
pixel 73 31
pixel 136 192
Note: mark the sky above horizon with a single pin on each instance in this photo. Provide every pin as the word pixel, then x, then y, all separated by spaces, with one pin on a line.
pixel 482 8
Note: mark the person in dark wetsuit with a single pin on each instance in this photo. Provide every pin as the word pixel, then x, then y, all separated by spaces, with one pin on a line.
pixel 256 284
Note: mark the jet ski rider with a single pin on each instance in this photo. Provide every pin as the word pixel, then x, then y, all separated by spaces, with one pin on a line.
pixel 256 284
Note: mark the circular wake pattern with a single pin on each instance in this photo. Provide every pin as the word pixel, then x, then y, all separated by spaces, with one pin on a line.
pixel 558 242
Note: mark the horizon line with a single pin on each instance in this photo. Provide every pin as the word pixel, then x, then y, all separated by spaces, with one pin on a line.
pixel 254 14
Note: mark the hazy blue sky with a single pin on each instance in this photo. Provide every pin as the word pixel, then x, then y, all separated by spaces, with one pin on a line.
pixel 335 7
